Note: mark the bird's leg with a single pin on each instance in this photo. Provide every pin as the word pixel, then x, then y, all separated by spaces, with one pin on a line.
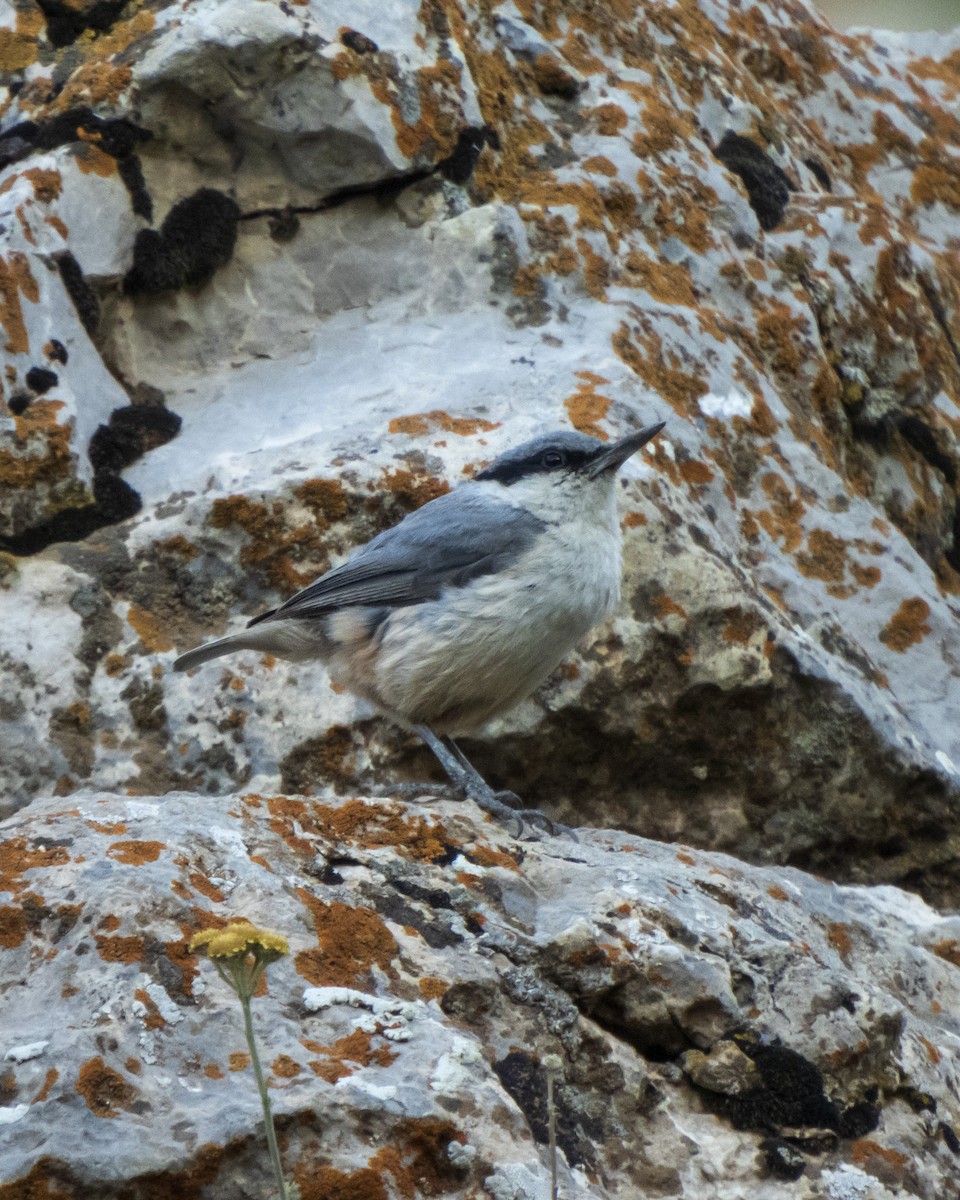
pixel 468 779
pixel 511 799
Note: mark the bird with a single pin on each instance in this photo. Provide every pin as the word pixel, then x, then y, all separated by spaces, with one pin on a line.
pixel 461 610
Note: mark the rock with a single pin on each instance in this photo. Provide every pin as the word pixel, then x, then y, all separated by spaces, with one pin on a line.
pixel 435 966
pixel 436 232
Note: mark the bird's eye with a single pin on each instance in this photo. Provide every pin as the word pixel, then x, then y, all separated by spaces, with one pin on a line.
pixel 553 458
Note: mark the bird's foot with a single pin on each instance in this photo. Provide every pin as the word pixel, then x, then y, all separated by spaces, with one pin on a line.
pixel 507 807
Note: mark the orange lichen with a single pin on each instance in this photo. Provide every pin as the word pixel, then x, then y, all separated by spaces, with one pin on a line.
pixel 350 943
pixel 239 1061
pixel 47 183
pixel 18 46
pixel 609 119
pixel 777 330
pixel 838 936
pixel 694 473
pixel 597 164
pixel 418 1158
pixel 93 161
pixel 642 351
pixel 596 270
pixel 418 424
pixel 740 625
pixel 327 1183
pixel 948 949
pixel 13 926
pixel 135 854
pixel 432 988
pixel 776 892
pixel 434 132
pixel 825 557
pixel 149 629
pixel 866 1152
pixel 365 825
pixel 16 278
pixel 18 856
pixel 112 829
pixel 669 283
pixel 908 625
pixel 940 183
pixel 203 885
pixel 273 546
pixel 664 606
pixel 104 1089
pixel 356 1047
pixel 120 949
pixel 586 409
pixel 285 1067
pixel 662 126
pixel 782 519
pixel 49 1080
pixel 414 490
pixel 932 1052
pixel 490 856
pixel 152 1018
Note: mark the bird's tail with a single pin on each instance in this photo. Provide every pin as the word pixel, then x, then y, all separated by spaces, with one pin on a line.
pixel 202 654
pixel 297 641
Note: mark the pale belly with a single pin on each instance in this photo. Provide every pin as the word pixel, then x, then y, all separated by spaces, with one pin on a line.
pixel 455 663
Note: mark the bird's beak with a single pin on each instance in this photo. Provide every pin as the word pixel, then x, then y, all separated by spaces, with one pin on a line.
pixel 611 457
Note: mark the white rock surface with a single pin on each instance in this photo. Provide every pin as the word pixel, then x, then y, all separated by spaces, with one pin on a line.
pixel 782 678
pixel 444 962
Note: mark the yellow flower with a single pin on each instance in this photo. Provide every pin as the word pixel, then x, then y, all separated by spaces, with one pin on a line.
pixel 240 939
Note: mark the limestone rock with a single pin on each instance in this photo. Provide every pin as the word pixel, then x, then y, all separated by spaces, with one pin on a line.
pixel 435 964
pixel 426 232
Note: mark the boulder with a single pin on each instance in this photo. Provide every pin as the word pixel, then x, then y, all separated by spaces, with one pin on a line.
pixel 279 274
pixel 720 1029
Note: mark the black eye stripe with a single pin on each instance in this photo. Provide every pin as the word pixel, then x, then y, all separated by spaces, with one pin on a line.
pixel 508 472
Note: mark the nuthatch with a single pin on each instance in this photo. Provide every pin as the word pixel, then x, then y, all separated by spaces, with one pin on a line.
pixel 459 612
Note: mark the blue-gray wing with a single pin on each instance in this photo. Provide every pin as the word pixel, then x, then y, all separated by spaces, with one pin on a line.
pixel 450 541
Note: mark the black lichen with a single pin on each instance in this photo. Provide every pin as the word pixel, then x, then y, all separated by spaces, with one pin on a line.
pixel 40 380
pixel 84 298
pixel 196 239
pixel 57 352
pixel 768 188
pixel 131 174
pixel 782 1159
pixel 790 1096
pixel 820 173
pixel 129 433
pixel 66 21
pixel 359 43
pixel 862 1118
pixel 284 225
pixel 114 136
pixel 526 1081
pixel 19 402
pixel 458 166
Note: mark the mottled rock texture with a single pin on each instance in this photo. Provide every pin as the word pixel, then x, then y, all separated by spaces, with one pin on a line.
pixel 274 274
pixel 724 1031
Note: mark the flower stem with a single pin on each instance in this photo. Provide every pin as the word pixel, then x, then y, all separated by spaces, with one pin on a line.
pixel 552 1133
pixel 264 1096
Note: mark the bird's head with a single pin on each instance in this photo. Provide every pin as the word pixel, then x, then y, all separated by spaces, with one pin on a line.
pixel 557 476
